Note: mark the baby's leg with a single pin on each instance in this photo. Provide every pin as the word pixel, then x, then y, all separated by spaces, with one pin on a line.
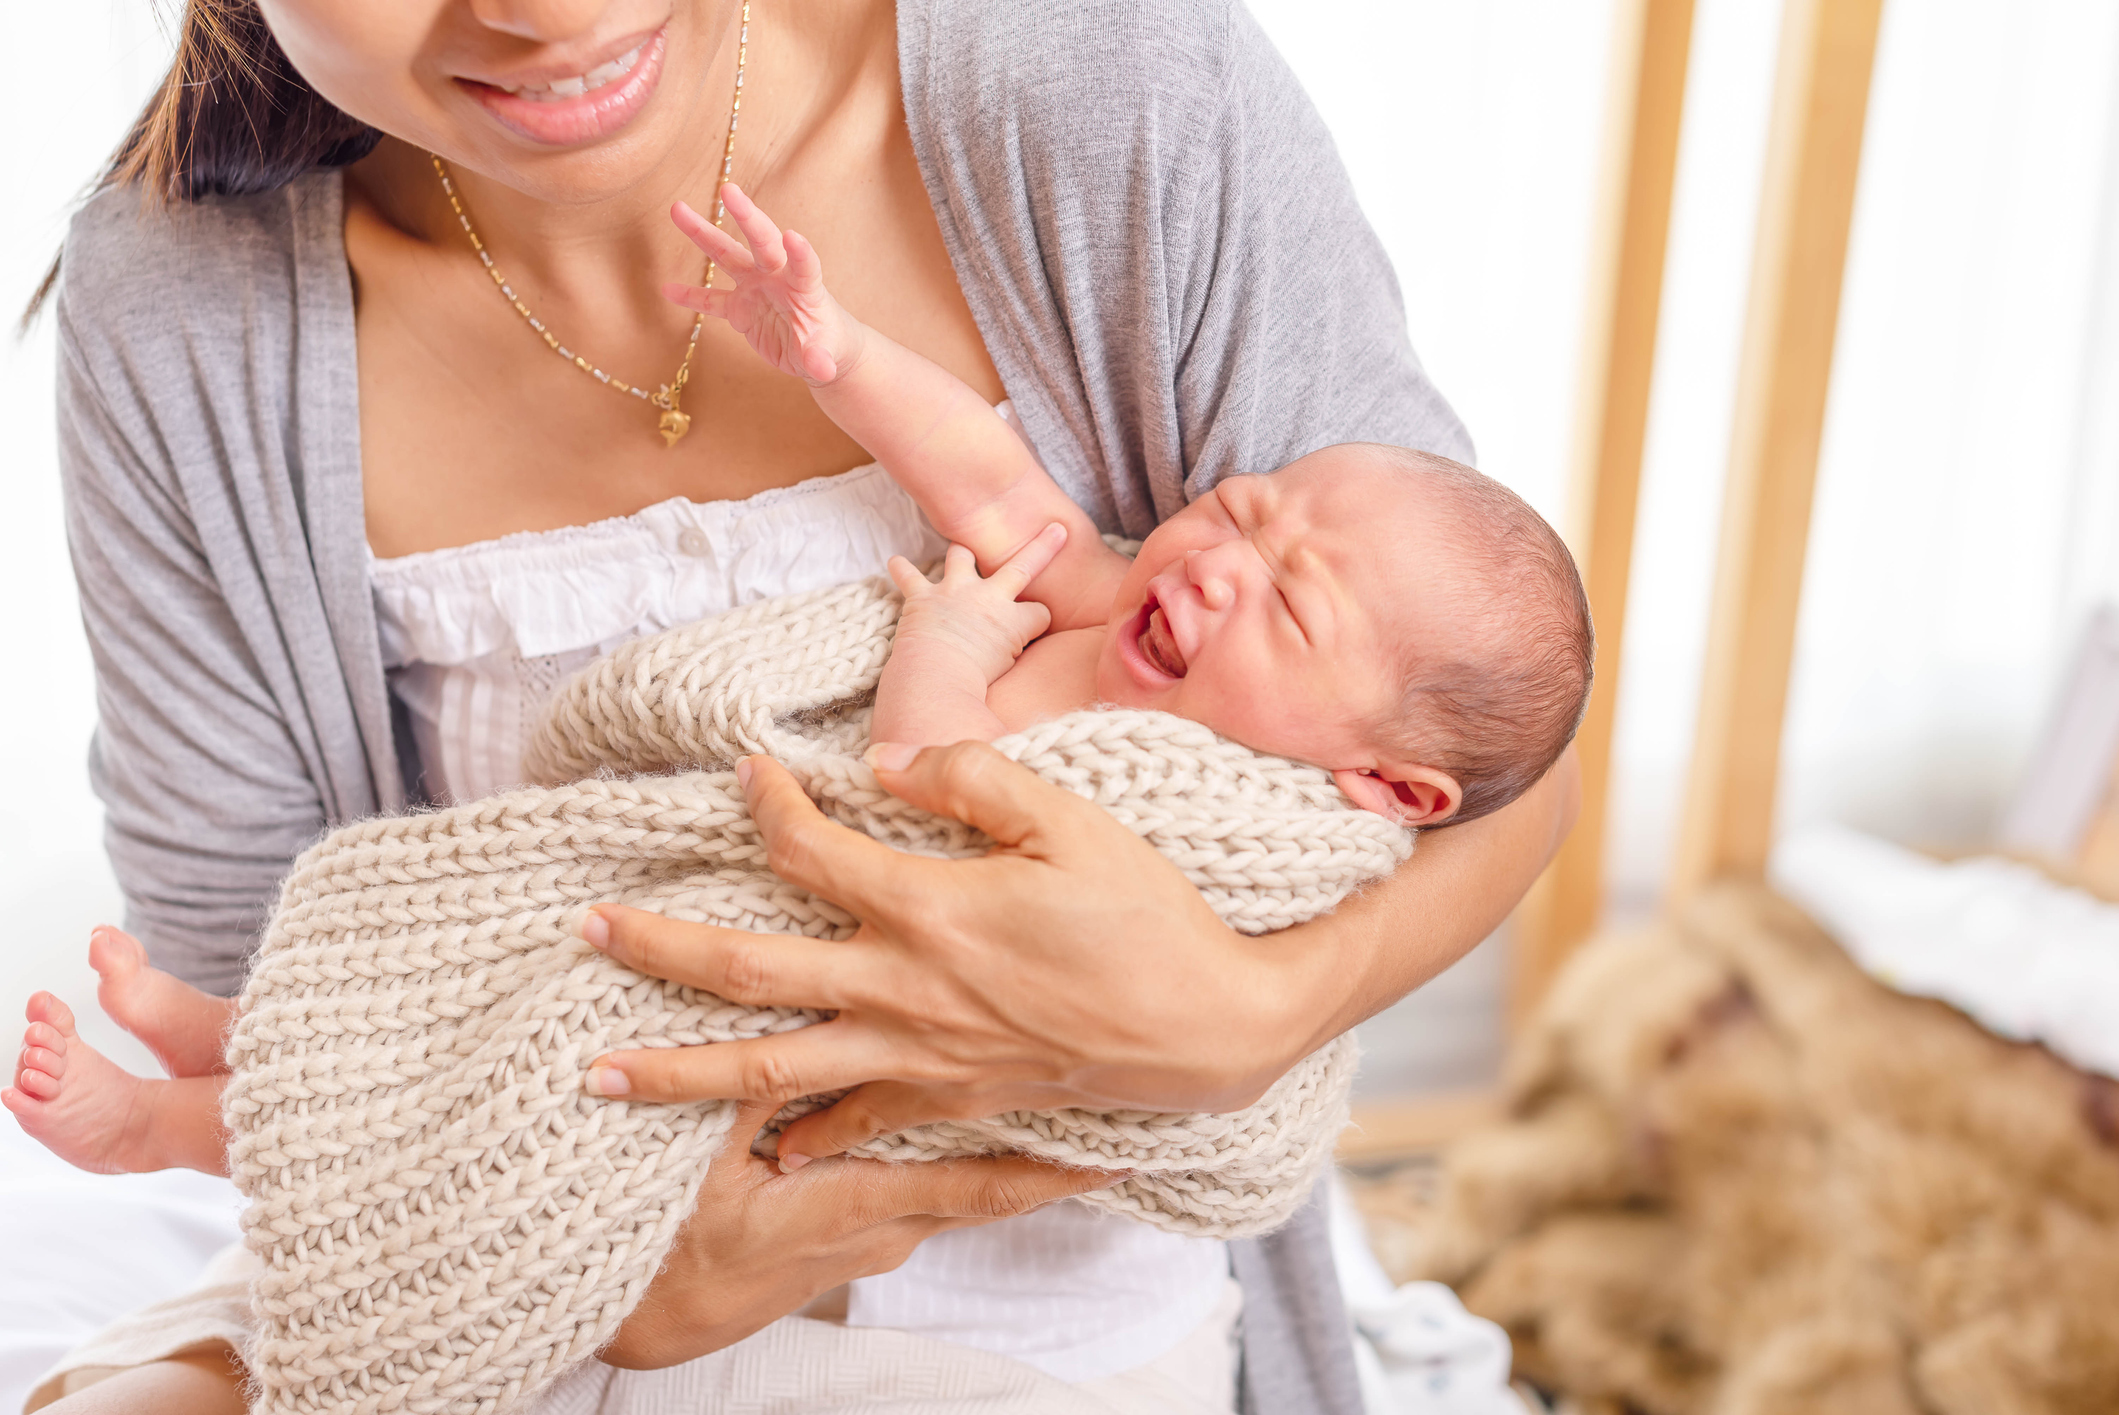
pixel 204 1383
pixel 183 1027
pixel 93 1114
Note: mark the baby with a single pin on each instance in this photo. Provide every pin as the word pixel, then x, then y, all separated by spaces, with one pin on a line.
pixel 1400 620
pixel 1391 616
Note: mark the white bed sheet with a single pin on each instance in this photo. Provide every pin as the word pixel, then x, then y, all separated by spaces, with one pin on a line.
pixel 77 1250
pixel 2024 957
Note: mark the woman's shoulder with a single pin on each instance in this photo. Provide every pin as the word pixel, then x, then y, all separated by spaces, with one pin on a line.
pixel 132 269
pixel 1073 68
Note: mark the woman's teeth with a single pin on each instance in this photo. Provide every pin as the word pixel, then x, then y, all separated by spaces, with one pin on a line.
pixel 580 84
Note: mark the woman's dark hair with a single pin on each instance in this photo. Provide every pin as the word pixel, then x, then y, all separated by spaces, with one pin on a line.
pixel 231 117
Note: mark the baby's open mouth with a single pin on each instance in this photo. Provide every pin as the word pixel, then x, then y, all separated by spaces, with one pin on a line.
pixel 1159 646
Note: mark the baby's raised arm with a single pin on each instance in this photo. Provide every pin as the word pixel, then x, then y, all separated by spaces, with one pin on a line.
pixel 977 481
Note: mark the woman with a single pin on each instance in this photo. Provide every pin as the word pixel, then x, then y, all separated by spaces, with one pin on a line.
pixel 1125 219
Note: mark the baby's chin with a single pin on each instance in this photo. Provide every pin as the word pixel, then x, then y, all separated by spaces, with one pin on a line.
pixel 1114 685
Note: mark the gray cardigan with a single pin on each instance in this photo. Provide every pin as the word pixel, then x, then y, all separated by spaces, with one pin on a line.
pixel 1154 234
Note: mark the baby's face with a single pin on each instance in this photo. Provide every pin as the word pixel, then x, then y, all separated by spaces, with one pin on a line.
pixel 1278 609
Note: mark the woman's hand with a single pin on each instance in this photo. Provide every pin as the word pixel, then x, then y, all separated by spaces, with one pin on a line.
pixel 760 1244
pixel 1072 966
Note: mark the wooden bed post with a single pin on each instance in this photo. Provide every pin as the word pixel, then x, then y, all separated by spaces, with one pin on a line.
pixel 1813 155
pixel 1646 107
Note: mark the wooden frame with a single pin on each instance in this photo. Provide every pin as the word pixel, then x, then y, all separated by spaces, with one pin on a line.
pixel 1651 48
pixel 1813 159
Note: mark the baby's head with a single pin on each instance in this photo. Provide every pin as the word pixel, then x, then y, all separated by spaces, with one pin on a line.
pixel 1392 616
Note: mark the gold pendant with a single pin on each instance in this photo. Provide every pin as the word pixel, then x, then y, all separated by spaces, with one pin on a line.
pixel 675 421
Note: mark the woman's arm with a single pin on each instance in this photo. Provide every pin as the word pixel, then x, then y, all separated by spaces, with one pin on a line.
pixel 1458 887
pixel 1073 966
pixel 227 733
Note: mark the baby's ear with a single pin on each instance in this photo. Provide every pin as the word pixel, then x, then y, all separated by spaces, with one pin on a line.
pixel 1417 796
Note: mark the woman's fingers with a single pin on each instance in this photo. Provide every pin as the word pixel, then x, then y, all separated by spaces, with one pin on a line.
pixel 861 875
pixel 743 1130
pixel 763 970
pixel 779 1068
pixel 977 1190
pixel 759 232
pixel 723 249
pixel 973 783
pixel 1018 570
pixel 878 1108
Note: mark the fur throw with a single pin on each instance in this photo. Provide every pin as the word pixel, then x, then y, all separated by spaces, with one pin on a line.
pixel 448 1221
pixel 1745 1179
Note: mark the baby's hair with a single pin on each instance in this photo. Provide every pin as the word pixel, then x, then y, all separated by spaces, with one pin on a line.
pixel 1497 721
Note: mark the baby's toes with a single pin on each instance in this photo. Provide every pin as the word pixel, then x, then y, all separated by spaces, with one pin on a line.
pixel 46 1008
pixel 38 1072
pixel 44 1036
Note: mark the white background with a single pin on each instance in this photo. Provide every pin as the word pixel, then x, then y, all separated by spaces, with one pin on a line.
pixel 1969 498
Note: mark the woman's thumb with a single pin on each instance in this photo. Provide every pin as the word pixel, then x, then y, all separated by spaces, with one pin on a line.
pixel 971 782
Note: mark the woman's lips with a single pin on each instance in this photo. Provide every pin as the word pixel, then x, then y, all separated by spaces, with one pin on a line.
pixel 567 122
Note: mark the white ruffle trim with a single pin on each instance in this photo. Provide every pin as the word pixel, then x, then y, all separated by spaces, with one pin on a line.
pixel 585 587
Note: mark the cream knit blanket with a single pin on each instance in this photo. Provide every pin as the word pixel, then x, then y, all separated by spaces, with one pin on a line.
pixel 447 1221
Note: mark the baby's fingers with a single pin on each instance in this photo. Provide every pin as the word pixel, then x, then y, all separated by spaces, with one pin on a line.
pixel 960 566
pixel 758 229
pixel 1028 619
pixel 723 248
pixel 1027 564
pixel 906 576
pixel 804 270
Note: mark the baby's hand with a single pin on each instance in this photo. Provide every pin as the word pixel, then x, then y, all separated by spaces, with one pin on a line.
pixel 779 302
pixel 980 619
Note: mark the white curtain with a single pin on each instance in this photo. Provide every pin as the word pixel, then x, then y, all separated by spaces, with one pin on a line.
pixel 1968 500
pixel 1968 506
pixel 63 112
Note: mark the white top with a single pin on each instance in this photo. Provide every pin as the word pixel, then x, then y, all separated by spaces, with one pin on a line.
pixel 476 638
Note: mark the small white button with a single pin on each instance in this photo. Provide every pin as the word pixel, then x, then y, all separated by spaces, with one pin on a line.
pixel 694 542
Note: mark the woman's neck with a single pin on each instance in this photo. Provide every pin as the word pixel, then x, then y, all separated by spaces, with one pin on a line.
pixel 620 245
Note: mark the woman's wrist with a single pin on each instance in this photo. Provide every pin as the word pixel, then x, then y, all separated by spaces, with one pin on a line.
pixel 1395 936
pixel 1316 981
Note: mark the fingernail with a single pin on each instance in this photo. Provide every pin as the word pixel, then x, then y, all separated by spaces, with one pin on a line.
pixel 790 1163
pixel 743 772
pixel 605 1081
pixel 596 930
pixel 890 756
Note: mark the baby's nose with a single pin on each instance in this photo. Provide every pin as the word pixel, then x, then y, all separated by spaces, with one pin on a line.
pixel 1203 569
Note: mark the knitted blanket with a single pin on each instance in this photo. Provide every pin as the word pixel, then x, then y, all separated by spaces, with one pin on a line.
pixel 447 1221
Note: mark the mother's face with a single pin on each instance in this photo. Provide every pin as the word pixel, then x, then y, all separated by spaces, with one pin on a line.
pixel 566 100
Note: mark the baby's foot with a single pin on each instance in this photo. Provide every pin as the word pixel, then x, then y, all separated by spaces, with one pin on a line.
pixel 75 1101
pixel 183 1027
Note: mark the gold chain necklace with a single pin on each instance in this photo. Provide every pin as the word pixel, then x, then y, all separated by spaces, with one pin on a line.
pixel 674 422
